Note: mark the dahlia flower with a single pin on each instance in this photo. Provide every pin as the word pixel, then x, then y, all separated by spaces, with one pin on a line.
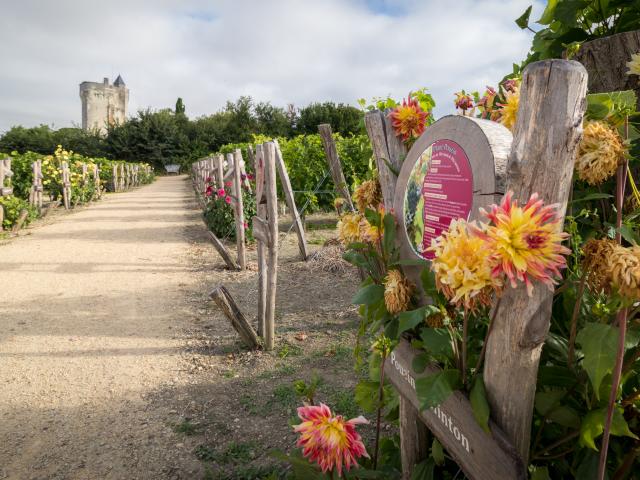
pixel 463 101
pixel 227 199
pixel 349 228
pixel 397 292
pixel 461 266
pixel 600 152
pixel 328 440
pixel 624 264
pixel 509 110
pixel 511 85
pixel 634 64
pixel 368 195
pixel 208 191
pixel 525 242
pixel 409 119
pixel 221 192
pixel 370 233
pixel 338 203
pixel 595 263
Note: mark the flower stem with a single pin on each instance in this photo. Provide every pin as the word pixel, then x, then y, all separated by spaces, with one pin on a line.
pixel 379 413
pixel 615 382
pixel 465 328
pixel 574 320
pixel 486 337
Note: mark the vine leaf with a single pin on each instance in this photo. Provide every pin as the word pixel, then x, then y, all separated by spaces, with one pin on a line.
pixel 593 426
pixel 523 20
pixel 436 388
pixel 599 343
pixel 369 295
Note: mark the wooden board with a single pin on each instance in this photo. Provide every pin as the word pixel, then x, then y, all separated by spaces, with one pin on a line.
pixel 335 167
pixel 481 455
pixel 259 167
pixel 485 144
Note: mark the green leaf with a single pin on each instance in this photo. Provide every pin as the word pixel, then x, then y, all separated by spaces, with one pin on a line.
pixel 437 341
pixel 410 319
pixel 425 470
pixel 366 395
pixel 523 20
pixel 420 362
pixel 592 196
pixel 593 426
pixel 428 279
pixel 599 343
pixel 436 388
pixel 547 15
pixel 412 262
pixel 628 234
pixel 479 403
pixel 369 295
pixel 540 473
pixel 437 452
pixel 548 403
pixel 356 258
pixel 389 232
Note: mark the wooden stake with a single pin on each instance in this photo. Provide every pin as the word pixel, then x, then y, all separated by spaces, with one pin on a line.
pixel 261 209
pixel 238 209
pixel 239 322
pixel 66 185
pixel 546 135
pixel 375 124
pixel 269 151
pixel 414 437
pixel 335 167
pixel 291 203
pixel 220 176
pixel 224 253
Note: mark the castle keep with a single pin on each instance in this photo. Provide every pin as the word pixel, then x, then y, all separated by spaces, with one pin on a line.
pixel 103 104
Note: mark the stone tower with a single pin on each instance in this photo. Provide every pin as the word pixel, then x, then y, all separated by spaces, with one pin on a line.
pixel 103 104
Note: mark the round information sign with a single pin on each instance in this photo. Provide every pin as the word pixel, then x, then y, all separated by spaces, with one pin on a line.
pixel 439 190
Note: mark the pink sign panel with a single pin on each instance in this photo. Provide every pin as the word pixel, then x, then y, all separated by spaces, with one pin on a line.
pixel 439 190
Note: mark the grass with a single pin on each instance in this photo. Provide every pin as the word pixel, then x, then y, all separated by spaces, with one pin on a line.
pixel 233 453
pixel 283 398
pixel 289 350
pixel 186 428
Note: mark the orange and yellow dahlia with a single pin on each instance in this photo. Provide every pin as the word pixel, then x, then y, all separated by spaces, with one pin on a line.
pixel 409 119
pixel 525 242
pixel 328 440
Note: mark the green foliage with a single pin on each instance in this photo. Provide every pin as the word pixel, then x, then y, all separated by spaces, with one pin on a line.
pixel 344 119
pixel 568 23
pixel 12 207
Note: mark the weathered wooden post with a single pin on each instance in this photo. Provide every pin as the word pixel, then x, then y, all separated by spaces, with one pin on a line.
pixel 66 185
pixel 239 209
pixel 97 186
pixel 35 197
pixel 546 135
pixel 114 177
pixel 5 172
pixel 261 210
pixel 335 167
pixel 239 322
pixel 220 175
pixel 291 203
pixel 269 152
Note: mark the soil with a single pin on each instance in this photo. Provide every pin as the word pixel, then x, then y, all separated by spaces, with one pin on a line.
pixel 116 365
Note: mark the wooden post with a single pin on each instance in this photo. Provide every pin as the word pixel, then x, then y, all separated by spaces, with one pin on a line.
pixel 606 62
pixel 122 178
pixel 291 203
pixel 269 152
pixel 396 147
pixel 224 253
pixel 239 322
pixel 35 197
pixel 414 438
pixel 220 175
pixel 5 172
pixel 96 181
pixel 239 210
pixel 261 209
pixel 386 157
pixel 114 177
pixel 66 185
pixel 335 167
pixel 546 135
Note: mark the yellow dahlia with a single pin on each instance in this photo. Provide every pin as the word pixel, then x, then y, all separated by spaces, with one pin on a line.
pixel 461 266
pixel 349 228
pixel 525 242
pixel 634 64
pixel 624 264
pixel 597 254
pixel 409 119
pixel 370 233
pixel 509 109
pixel 338 203
pixel 600 152
pixel 368 195
pixel 397 292
pixel 330 441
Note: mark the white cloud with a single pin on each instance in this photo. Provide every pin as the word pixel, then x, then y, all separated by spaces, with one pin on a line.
pixel 284 51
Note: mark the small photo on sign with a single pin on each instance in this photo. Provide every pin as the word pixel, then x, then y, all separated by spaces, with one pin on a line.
pixel 439 190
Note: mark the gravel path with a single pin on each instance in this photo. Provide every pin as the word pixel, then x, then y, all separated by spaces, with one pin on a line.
pixel 92 310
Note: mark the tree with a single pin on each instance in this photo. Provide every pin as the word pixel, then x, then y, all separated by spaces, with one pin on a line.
pixel 180 108
pixel 344 119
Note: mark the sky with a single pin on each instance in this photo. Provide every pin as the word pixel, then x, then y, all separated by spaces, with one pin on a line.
pixel 282 51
